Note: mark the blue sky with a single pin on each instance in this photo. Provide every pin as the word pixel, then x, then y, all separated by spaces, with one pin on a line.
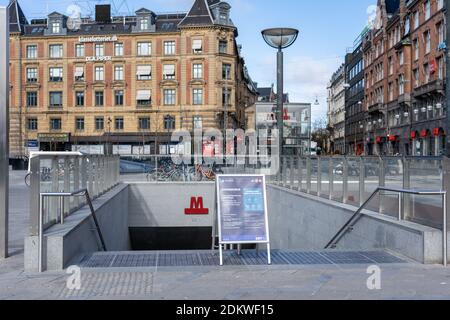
pixel 327 29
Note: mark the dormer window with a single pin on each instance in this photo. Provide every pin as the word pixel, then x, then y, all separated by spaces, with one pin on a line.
pixel 224 16
pixel 144 24
pixel 56 27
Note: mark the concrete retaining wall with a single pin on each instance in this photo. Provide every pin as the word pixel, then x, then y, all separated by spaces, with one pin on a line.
pixel 300 221
pixel 68 243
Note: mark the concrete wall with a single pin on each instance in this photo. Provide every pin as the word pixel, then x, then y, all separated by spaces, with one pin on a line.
pixel 163 205
pixel 68 243
pixel 300 221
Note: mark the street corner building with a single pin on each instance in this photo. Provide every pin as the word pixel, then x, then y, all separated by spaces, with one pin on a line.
pixel 122 85
pixel 404 76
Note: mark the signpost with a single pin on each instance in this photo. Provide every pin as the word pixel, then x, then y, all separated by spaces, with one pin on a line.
pixel 242 211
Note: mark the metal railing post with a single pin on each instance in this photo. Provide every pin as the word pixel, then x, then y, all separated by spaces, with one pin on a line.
pixel 66 183
pixel 382 183
pixel 406 209
pixel 284 173
pixel 35 202
pixel 76 181
pixel 319 176
pixel 308 175
pixel 362 174
pixel 331 178
pixel 345 181
pixel 300 173
pixel 444 230
pixel 292 173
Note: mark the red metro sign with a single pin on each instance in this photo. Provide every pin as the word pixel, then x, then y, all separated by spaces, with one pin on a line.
pixel 196 207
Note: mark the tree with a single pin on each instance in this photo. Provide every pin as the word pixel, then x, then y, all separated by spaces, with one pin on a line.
pixel 321 135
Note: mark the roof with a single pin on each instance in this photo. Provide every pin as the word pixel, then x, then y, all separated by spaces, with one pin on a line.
pixel 200 14
pixel 17 18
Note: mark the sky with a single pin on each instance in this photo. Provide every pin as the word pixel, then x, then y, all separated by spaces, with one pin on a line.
pixel 328 29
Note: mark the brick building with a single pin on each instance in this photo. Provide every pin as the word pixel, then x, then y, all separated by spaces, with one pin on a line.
pixel 404 57
pixel 124 84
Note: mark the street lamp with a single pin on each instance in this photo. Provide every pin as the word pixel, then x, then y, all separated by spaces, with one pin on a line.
pixel 280 38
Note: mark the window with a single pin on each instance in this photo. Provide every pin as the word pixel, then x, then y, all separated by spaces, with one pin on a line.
pixel 391 65
pixel 56 74
pixel 56 50
pixel 198 71
pixel 416 77
pixel 79 124
pixel 223 46
pixel 32 99
pixel 118 97
pixel 198 122
pixel 56 27
pixel 144 98
pixel 118 123
pixel 118 73
pixel 427 40
pixel 99 73
pixel 226 97
pixel 441 69
pixel 79 50
pixel 401 84
pixel 144 48
pixel 407 25
pixel 32 52
pixel 144 72
pixel 99 123
pixel 144 123
pixel 440 4
pixel 99 50
pixel 79 73
pixel 169 97
pixel 118 49
pixel 32 124
pixel 416 49
pixel 144 24
pixel 427 10
pixel 391 91
pixel 197 95
pixel 197 46
pixel 416 19
pixel 79 98
pixel 226 71
pixel 169 72
pixel 55 124
pixel 169 123
pixel 441 32
pixel 401 57
pixel 169 47
pixel 32 75
pixel 99 97
pixel 426 71
pixel 56 98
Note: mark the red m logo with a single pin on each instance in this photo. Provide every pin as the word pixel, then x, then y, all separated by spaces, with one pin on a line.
pixel 196 207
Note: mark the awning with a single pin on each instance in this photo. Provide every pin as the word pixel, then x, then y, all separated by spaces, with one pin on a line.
pixel 143 95
pixel 79 71
pixel 144 70
pixel 197 45
pixel 169 69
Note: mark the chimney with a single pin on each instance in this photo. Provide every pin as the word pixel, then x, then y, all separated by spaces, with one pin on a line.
pixel 103 13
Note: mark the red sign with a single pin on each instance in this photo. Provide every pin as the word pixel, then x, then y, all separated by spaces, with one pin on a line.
pixel 379 140
pixel 392 138
pixel 196 207
pixel 286 115
pixel 424 133
pixel 436 132
pixel 413 134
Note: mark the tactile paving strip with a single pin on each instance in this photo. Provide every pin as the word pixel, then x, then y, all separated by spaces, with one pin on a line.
pixel 248 257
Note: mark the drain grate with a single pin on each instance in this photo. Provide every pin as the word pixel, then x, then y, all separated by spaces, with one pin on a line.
pixel 248 257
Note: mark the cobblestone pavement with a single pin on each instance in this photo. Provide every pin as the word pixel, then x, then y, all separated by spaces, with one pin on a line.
pixel 334 281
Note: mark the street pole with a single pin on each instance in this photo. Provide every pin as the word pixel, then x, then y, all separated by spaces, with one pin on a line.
pixel 447 77
pixel 4 132
pixel 280 89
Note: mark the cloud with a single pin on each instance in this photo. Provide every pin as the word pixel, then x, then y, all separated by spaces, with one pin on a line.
pixel 305 78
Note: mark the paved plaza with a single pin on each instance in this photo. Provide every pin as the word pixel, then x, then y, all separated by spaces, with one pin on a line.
pixel 332 279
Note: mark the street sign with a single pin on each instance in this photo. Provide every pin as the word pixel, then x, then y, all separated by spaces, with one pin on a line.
pixel 242 211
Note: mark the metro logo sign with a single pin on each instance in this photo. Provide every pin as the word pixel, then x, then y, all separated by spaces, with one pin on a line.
pixel 196 207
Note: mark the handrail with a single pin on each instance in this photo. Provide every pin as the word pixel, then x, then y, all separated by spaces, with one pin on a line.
pixel 62 195
pixel 357 215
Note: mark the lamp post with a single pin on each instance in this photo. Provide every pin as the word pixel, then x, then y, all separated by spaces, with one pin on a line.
pixel 280 38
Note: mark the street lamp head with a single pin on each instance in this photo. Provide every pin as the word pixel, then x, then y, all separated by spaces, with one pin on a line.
pixel 280 38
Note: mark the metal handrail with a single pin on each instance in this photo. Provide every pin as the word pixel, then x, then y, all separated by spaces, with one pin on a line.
pixel 357 215
pixel 62 195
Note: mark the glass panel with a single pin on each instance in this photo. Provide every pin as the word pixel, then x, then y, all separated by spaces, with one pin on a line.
pixel 338 181
pixel 325 177
pixel 353 181
pixel 371 182
pixel 393 172
pixel 314 170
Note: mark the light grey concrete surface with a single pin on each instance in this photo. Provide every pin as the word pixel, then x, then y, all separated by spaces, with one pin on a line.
pixel 78 236
pixel 163 205
pixel 300 221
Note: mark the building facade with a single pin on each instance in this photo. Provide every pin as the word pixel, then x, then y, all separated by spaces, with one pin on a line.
pixel 404 56
pixel 354 99
pixel 336 111
pixel 123 84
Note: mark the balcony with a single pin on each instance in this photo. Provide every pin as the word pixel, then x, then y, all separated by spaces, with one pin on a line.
pixel 377 107
pixel 429 89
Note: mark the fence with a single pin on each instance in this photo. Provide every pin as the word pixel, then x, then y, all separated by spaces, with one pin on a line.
pixel 68 173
